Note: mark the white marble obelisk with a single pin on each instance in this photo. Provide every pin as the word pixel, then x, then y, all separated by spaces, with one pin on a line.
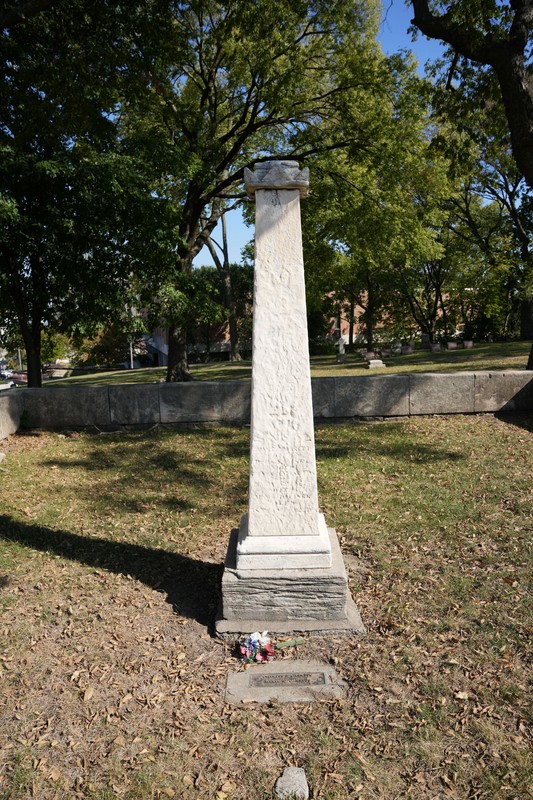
pixel 283 528
pixel 284 569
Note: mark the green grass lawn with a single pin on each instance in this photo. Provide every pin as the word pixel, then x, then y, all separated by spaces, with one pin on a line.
pixel 509 355
pixel 111 552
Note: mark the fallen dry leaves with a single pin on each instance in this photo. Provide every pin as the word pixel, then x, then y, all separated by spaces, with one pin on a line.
pixel 112 686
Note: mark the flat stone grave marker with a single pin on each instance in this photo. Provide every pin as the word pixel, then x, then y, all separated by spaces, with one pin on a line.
pixel 285 681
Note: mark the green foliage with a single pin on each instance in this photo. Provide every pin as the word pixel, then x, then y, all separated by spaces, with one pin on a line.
pixel 234 84
pixel 109 347
pixel 190 300
pixel 430 228
pixel 77 210
pixel 54 346
pixel 125 131
pixel 375 214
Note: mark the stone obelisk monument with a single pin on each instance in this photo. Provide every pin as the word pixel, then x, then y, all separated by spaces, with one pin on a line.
pixel 284 569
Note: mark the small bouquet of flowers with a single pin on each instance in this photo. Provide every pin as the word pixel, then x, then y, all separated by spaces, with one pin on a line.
pixel 256 647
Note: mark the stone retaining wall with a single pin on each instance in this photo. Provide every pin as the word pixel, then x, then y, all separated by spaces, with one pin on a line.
pixel 228 402
pixel 10 412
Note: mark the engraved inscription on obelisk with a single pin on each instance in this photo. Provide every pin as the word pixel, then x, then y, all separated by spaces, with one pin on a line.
pixel 283 527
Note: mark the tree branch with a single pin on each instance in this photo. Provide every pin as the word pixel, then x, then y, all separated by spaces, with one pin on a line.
pixel 20 14
pixel 467 41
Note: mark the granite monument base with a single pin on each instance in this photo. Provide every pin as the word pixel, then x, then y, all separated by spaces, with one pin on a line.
pixel 284 601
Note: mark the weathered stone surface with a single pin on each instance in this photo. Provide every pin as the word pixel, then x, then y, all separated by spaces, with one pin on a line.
pixel 66 407
pixel 283 564
pixel 234 402
pixel 323 392
pixel 225 402
pixel 292 785
pixel 372 396
pixel 272 175
pixel 190 402
pixel 283 497
pixel 291 681
pixel 228 403
pixel 504 391
pixel 314 593
pixel 10 412
pixel 351 625
pixel 445 393
pixel 283 552
pixel 287 600
pixel 136 404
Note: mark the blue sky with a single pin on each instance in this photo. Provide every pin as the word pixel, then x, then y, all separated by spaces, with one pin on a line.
pixel 394 36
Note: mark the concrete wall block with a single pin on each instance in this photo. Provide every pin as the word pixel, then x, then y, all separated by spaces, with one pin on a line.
pixel 10 412
pixel 323 390
pixel 64 407
pixel 190 402
pixel 442 393
pixel 134 404
pixel 227 402
pixel 372 396
pixel 235 402
pixel 504 391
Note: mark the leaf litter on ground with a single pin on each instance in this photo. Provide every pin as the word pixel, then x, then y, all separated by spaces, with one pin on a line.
pixel 110 563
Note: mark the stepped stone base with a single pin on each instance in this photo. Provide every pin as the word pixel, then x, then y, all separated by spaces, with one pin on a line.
pixel 272 553
pixel 314 600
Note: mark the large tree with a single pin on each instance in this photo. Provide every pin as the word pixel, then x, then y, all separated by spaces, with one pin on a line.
pixel 496 35
pixel 476 141
pixel 494 39
pixel 76 209
pixel 229 84
pixel 379 210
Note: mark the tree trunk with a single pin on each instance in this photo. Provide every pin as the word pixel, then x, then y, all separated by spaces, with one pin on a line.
pixel 178 368
pixel 517 98
pixel 31 335
pixel 530 359
pixel 369 314
pixel 526 326
pixel 232 315
pixel 33 357
pixel 526 319
pixel 224 269
pixel 352 325
pixel 444 315
pixel 506 57
pixel 29 314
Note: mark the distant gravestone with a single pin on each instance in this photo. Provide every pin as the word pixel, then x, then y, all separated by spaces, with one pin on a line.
pixel 283 564
pixel 341 357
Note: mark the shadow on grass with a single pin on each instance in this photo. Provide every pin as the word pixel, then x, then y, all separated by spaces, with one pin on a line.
pixel 132 471
pixel 383 440
pixel 192 587
pixel 524 421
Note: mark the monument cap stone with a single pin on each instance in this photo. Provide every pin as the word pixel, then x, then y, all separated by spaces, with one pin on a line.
pixel 277 175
